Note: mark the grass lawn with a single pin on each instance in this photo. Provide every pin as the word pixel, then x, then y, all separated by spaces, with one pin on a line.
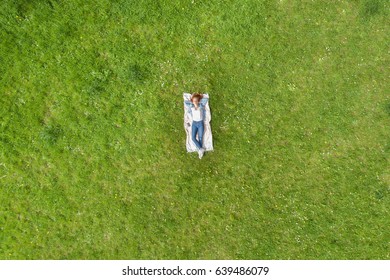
pixel 93 162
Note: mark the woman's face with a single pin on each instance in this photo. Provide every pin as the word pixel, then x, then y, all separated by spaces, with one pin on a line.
pixel 195 101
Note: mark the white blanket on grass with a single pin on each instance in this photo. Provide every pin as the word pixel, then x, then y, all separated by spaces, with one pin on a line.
pixel 207 135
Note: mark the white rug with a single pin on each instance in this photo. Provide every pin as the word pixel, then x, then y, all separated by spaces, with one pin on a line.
pixel 207 135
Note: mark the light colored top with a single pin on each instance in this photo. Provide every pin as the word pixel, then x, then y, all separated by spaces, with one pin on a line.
pixel 196 114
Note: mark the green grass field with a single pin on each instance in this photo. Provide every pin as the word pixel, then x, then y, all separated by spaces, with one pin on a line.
pixel 93 162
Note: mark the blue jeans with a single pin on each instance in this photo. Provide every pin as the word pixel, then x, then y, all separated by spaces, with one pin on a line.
pixel 197 127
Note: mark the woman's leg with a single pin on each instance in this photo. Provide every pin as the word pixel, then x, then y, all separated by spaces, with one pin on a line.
pixel 200 133
pixel 195 130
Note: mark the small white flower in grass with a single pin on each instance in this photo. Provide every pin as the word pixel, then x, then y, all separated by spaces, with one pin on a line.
pixel 291 86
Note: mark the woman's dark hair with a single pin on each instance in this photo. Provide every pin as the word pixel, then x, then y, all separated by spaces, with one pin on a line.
pixel 196 95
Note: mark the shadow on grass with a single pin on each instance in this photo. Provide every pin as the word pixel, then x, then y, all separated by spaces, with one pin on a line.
pixel 371 8
pixel 137 74
pixel 388 108
pixel 51 133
